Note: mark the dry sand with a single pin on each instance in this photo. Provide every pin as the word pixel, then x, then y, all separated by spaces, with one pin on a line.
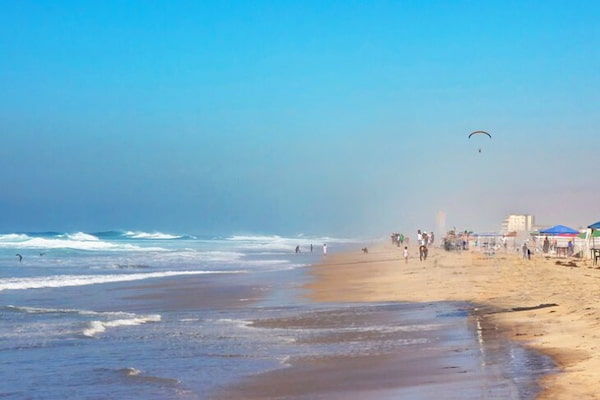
pixel 548 304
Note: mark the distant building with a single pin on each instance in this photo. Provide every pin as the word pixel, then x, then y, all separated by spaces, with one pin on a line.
pixel 518 223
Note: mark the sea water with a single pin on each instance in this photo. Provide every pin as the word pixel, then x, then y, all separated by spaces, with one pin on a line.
pixel 135 315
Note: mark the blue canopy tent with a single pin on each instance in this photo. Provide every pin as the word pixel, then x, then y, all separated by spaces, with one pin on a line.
pixel 595 226
pixel 560 230
pixel 595 252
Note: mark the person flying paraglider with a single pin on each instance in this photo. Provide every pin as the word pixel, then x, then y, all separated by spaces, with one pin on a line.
pixel 479 133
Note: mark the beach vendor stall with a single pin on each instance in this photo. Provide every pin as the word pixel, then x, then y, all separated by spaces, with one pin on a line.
pixel 563 248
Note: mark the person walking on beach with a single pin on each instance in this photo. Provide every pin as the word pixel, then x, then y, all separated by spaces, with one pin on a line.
pixel 405 254
pixel 525 251
pixel 422 252
pixel 325 249
pixel 570 248
pixel 546 245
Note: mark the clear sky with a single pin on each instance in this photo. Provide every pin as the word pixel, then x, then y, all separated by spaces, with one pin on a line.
pixel 335 117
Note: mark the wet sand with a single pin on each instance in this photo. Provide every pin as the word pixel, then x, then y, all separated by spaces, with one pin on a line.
pixel 394 350
pixel 548 304
pixel 444 370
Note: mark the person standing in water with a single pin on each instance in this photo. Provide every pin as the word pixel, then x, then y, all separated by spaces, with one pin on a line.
pixel 325 249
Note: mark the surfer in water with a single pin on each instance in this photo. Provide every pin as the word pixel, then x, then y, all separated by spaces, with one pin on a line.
pixel 20 257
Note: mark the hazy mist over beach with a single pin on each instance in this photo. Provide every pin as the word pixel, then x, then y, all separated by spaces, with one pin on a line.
pixel 337 118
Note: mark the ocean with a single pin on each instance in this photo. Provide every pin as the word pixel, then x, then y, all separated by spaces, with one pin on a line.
pixel 138 315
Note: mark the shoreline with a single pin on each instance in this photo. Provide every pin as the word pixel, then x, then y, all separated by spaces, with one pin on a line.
pixel 433 353
pixel 544 303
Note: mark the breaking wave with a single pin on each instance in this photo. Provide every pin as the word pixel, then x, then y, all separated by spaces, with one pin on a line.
pixel 77 241
pixel 95 327
pixel 41 310
pixel 152 235
pixel 82 280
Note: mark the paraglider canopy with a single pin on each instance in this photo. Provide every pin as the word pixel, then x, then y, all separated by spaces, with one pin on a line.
pixel 480 132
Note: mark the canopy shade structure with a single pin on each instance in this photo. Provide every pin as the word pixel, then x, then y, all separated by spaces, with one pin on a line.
pixel 560 230
pixel 595 234
pixel 595 226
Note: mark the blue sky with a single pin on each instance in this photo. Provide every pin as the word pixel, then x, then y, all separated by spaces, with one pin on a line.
pixel 339 117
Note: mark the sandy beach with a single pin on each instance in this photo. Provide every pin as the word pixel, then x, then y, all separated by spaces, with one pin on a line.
pixel 548 304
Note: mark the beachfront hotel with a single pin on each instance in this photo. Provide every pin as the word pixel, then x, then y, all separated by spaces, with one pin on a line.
pixel 518 223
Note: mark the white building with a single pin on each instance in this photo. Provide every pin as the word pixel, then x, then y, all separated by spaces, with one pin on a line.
pixel 518 223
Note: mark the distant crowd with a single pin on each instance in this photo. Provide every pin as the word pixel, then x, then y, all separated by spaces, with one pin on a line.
pixel 424 239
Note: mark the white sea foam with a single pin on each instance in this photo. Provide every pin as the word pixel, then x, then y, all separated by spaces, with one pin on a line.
pixel 182 258
pixel 280 243
pixel 285 361
pixel 80 236
pixel 41 310
pixel 257 238
pixel 214 256
pixel 240 323
pixel 69 243
pixel 150 235
pixel 131 371
pixel 95 327
pixel 13 237
pixel 81 280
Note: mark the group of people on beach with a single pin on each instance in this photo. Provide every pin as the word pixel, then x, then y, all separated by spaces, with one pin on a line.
pixel 398 239
pixel 298 251
pixel 547 247
pixel 424 240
